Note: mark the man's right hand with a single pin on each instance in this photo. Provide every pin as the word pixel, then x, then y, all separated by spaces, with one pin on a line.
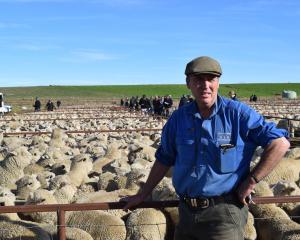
pixel 132 201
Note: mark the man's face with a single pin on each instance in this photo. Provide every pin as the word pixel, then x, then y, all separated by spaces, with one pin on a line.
pixel 204 88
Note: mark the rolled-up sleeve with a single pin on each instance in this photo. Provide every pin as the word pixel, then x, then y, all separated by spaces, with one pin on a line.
pixel 258 130
pixel 166 152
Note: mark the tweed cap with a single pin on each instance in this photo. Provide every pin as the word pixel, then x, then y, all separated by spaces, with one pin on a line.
pixel 203 65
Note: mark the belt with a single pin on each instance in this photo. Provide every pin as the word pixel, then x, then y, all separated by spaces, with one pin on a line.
pixel 205 202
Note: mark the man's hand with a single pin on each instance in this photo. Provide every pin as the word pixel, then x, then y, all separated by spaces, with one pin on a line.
pixel 132 201
pixel 245 189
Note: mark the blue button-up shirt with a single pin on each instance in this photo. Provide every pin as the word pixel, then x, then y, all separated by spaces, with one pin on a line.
pixel 210 156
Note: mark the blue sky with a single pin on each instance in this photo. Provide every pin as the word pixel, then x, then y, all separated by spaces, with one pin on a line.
pixel 104 42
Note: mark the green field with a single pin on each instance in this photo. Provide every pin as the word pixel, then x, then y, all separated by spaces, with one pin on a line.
pixel 118 91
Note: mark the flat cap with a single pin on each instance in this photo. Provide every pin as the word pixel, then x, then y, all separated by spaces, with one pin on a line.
pixel 202 65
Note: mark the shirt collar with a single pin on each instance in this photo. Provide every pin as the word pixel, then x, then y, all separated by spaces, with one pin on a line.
pixel 193 109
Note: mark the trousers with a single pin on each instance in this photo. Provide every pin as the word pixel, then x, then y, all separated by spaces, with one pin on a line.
pixel 224 221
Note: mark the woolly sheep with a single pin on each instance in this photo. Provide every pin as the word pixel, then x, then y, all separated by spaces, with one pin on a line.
pixel 57 138
pixel 112 153
pixel 21 230
pixel 7 198
pixel 11 168
pixel 118 166
pixel 26 185
pixel 271 220
pixel 164 191
pixel 103 196
pixel 100 225
pixel 45 178
pixel 13 143
pixel 287 189
pixel 287 170
pixel 41 197
pixel 80 167
pixel 72 233
pixel 249 230
pixel 146 224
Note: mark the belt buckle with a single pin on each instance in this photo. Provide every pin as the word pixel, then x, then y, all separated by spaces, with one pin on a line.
pixel 203 202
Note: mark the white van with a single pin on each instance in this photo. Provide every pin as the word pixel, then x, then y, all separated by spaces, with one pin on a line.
pixel 4 108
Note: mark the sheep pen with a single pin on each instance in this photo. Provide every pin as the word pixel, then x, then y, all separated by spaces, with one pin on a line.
pixel 105 166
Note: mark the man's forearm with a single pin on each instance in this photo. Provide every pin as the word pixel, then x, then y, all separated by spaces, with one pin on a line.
pixel 270 158
pixel 158 171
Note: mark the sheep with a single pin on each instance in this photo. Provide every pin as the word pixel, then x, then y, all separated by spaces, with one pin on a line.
pixel 249 229
pixel 45 178
pixel 7 198
pixel 13 143
pixel 286 189
pixel 112 153
pixel 65 194
pixel 26 185
pixel 103 196
pixel 61 168
pixel 118 166
pixel 38 197
pixel 57 138
pixel 270 219
pixel 146 224
pixel 99 224
pixel 33 168
pixel 11 227
pixel 21 230
pixel 293 153
pixel 80 167
pixel 287 170
pixel 72 233
pixel 164 190
pixel 12 166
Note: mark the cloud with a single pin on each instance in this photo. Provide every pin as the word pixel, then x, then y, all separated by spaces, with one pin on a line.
pixel 86 55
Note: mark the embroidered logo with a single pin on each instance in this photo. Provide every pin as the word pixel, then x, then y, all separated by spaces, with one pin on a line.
pixel 223 137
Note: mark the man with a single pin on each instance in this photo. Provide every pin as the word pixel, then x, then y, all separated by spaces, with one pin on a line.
pixel 37 105
pixel 232 95
pixel 183 101
pixel 210 143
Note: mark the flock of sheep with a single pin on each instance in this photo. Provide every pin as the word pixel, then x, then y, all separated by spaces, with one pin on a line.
pixel 103 167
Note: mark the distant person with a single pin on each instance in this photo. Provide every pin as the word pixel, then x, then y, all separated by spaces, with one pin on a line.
pixel 254 98
pixel 50 105
pixel 167 103
pixel 58 103
pixel 126 102
pixel 122 102
pixel 183 101
pixel 232 95
pixel 37 105
pixel 190 98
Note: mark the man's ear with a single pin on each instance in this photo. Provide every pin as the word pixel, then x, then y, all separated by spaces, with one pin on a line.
pixel 187 83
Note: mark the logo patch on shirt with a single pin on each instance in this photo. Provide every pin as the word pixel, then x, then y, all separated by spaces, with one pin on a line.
pixel 223 137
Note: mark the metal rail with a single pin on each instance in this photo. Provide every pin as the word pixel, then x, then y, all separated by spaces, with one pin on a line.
pixel 5 134
pixel 77 118
pixel 60 209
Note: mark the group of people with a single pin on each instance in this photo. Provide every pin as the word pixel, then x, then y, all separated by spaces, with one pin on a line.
pixel 49 105
pixel 157 105
pixel 210 144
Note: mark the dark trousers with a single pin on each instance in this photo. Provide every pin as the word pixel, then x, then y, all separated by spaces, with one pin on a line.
pixel 223 221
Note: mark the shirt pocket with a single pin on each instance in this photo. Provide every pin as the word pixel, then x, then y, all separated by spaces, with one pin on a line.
pixel 230 159
pixel 186 150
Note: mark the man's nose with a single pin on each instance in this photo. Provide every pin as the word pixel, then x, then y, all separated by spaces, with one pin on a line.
pixel 204 83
